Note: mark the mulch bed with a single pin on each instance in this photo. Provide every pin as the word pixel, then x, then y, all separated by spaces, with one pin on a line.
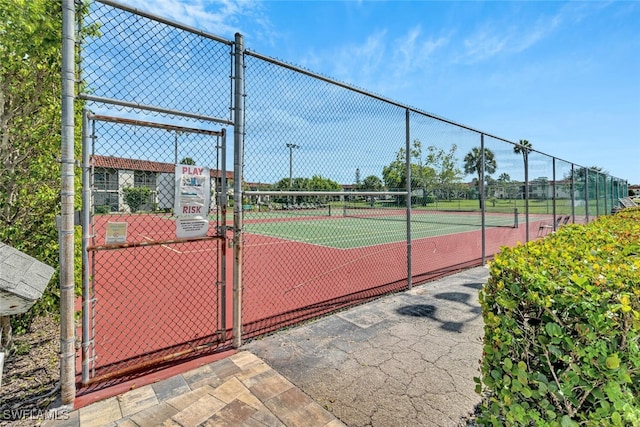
pixel 31 374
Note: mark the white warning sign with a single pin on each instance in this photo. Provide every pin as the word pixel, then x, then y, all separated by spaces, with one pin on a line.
pixel 193 196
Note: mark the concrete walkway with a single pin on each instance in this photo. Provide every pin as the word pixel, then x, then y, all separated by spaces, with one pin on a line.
pixel 406 359
pixel 240 390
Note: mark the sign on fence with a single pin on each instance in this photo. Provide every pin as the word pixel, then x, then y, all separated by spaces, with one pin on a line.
pixel 193 197
pixel 116 232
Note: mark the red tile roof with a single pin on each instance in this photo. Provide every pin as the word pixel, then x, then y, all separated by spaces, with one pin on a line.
pixel 142 165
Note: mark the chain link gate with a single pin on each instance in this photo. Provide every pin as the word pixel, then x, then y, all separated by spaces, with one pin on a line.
pixel 156 289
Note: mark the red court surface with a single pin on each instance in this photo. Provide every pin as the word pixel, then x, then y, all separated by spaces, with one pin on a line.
pixel 161 303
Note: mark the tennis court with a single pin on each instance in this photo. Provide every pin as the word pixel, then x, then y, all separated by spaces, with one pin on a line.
pixel 347 228
pixel 301 265
pixel 296 265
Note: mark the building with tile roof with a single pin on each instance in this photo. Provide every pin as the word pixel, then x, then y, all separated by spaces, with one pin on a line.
pixel 112 174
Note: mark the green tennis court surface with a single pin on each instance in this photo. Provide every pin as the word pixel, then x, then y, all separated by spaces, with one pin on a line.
pixel 346 232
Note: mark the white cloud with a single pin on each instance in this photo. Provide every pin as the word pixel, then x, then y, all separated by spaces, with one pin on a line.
pixel 494 38
pixel 380 61
pixel 220 17
pixel 413 52
pixel 497 37
pixel 357 62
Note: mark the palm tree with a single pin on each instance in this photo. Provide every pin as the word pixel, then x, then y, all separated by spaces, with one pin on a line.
pixel 504 179
pixel 524 147
pixel 473 164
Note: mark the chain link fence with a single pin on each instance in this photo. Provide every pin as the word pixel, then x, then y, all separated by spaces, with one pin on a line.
pixel 152 295
pixel 155 193
pixel 338 195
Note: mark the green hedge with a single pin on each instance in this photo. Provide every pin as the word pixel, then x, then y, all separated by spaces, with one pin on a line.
pixel 562 328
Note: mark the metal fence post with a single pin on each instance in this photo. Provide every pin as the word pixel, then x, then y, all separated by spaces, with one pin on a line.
pixel 606 195
pixel 597 194
pixel 573 193
pixel 526 193
pixel 586 194
pixel 482 199
pixel 67 285
pixel 553 188
pixel 408 167
pixel 238 162
pixel 222 201
pixel 86 236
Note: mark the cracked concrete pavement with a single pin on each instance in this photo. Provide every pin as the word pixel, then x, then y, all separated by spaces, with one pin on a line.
pixel 407 359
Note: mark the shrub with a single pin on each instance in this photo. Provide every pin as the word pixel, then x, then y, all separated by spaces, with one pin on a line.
pixel 562 328
pixel 102 209
pixel 136 197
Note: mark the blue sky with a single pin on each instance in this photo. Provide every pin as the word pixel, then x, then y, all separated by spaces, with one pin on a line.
pixel 563 75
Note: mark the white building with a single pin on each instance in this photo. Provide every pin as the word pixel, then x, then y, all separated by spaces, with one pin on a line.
pixel 112 174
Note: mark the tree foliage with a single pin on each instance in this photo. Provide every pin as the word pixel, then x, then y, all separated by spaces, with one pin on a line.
pixel 473 165
pixel 30 123
pixel 524 147
pixel 584 180
pixel 562 326
pixel 433 170
pixel 372 183
pixel 319 183
pixel 136 197
pixel 447 174
pixel 30 87
pixel 316 183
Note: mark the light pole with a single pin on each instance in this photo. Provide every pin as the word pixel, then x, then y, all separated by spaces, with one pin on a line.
pixel 291 147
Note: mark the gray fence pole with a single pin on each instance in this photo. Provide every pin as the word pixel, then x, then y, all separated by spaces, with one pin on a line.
pixel 573 194
pixel 606 195
pixel 67 195
pixel 597 194
pixel 586 194
pixel 613 193
pixel 482 199
pixel 86 236
pixel 238 162
pixel 408 201
pixel 553 189
pixel 222 224
pixel 526 193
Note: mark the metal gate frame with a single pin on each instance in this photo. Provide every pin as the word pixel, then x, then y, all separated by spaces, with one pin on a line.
pixel 88 246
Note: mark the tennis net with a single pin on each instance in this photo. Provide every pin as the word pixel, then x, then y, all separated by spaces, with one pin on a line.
pixel 430 216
